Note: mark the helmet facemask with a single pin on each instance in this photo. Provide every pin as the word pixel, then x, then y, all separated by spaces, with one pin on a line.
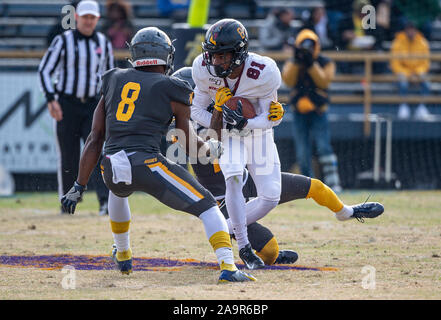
pixel 236 60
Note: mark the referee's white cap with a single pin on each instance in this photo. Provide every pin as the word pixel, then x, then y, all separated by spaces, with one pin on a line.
pixel 88 7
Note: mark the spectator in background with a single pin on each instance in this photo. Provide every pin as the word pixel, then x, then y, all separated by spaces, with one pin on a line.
pixel 118 27
pixel 422 13
pixel 411 41
pixel 351 34
pixel 310 74
pixel 383 21
pixel 221 5
pixel 318 22
pixel 335 11
pixel 275 33
pixel 172 8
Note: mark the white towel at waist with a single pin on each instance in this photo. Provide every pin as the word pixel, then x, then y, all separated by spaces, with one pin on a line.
pixel 121 168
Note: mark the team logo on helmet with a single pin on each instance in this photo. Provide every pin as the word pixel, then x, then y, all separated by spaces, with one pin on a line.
pixel 212 40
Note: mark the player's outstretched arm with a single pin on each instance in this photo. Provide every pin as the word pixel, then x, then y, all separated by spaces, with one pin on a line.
pixel 217 123
pixel 182 119
pixel 212 148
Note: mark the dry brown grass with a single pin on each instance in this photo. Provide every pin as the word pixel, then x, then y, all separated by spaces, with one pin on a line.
pixel 404 246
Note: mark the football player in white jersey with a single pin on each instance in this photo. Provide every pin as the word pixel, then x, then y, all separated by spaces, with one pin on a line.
pixel 226 69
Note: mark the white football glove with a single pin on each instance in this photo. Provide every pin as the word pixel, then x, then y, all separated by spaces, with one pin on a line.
pixel 215 147
pixel 241 133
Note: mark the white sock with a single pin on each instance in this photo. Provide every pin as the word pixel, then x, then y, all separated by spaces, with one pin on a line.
pixel 225 255
pixel 213 221
pixel 122 241
pixel 345 213
pixel 236 205
pixel 119 211
pixel 256 209
pixel 241 234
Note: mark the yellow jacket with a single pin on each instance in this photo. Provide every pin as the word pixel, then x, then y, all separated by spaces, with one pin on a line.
pixel 403 45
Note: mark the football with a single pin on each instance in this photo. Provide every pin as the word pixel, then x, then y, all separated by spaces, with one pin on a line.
pixel 247 107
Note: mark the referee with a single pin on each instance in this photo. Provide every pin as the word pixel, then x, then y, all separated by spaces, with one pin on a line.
pixel 78 58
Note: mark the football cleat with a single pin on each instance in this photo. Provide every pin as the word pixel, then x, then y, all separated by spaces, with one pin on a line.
pixel 235 276
pixel 367 210
pixel 124 266
pixel 250 259
pixel 286 257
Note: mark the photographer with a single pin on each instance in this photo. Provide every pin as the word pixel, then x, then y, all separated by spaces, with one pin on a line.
pixel 310 74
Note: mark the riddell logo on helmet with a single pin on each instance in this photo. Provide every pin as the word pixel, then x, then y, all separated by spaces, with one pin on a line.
pixel 146 62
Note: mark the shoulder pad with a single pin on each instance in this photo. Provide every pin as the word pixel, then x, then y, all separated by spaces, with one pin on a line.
pixel 271 77
pixel 197 70
pixel 181 83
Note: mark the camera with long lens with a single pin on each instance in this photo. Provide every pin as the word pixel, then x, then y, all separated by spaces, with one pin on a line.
pixel 304 50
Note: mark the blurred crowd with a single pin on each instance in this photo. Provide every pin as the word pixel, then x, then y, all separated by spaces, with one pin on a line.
pixel 339 23
pixel 396 26
pixel 401 27
pixel 117 24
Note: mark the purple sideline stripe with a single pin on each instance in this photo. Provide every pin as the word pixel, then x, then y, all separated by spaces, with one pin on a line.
pixel 89 262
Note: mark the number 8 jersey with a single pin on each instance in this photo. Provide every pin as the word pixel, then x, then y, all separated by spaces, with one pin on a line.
pixel 259 81
pixel 138 110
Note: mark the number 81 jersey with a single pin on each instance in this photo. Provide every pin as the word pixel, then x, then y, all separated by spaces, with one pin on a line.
pixel 259 81
pixel 138 109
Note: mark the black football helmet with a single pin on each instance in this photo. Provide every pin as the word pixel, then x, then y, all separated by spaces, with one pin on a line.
pixel 151 46
pixel 226 35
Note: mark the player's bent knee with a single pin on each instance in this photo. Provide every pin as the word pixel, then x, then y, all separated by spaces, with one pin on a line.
pixel 269 252
pixel 271 193
pixel 270 204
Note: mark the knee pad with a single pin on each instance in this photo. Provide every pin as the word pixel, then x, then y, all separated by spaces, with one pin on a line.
pixel 271 193
pixel 269 204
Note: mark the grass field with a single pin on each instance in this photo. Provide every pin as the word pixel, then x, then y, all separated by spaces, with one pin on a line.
pixel 403 245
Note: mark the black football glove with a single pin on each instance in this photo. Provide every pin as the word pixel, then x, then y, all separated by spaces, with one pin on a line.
pixel 69 200
pixel 234 118
pixel 210 107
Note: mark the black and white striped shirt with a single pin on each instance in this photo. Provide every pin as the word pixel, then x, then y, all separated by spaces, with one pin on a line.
pixel 78 62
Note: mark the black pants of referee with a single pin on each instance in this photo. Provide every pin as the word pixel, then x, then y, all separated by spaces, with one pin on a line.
pixel 74 127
